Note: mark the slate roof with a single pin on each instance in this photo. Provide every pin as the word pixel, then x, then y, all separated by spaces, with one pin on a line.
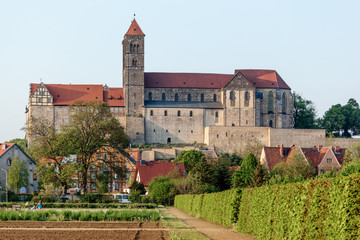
pixel 259 78
pixel 67 94
pixel 152 169
pixel 173 104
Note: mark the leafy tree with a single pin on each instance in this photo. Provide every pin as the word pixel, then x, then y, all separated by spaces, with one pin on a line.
pixel 259 177
pixel 352 153
pixel 50 147
pixel 301 166
pixel 350 168
pixel 189 158
pixel 342 121
pixel 234 159
pixel 242 176
pixel 90 127
pixel 222 175
pixel 22 143
pixel 18 174
pixel 253 146
pixel 162 190
pixel 136 186
pixel 304 113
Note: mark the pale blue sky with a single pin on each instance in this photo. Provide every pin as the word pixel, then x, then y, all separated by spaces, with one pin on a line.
pixel 314 45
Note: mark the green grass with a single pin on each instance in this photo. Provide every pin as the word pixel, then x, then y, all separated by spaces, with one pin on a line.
pixel 179 230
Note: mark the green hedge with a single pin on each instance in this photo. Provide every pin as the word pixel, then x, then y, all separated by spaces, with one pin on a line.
pixel 315 209
pixel 86 205
pixel 214 207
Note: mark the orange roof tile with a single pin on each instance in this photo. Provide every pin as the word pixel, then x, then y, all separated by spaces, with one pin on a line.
pixel 134 29
pixel 6 146
pixel 258 78
pixel 67 94
pixel 152 169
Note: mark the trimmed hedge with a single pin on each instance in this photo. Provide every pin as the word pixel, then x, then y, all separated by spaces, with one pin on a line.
pixel 86 205
pixel 315 209
pixel 214 207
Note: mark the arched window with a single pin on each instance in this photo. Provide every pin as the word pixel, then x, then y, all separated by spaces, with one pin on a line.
pixel 163 97
pixel 165 113
pixel 202 97
pixel 189 97
pixel 131 47
pixel 271 102
pixel 270 123
pixel 246 96
pixel 176 97
pixel 150 96
pixel 134 62
pixel 151 113
pixel 283 103
pixel 191 113
pixel 179 114
pixel 215 98
pixel 137 48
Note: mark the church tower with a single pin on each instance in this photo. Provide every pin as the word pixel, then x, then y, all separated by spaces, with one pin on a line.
pixel 133 82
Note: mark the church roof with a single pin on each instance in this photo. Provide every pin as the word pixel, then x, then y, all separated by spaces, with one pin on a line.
pixel 134 29
pixel 258 78
pixel 67 94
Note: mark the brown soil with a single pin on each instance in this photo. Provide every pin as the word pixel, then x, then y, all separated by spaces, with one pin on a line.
pixel 211 230
pixel 82 230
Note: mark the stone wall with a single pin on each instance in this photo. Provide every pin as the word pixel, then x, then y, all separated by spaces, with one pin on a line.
pixel 299 137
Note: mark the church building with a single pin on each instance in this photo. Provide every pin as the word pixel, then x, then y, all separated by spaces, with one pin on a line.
pixel 160 107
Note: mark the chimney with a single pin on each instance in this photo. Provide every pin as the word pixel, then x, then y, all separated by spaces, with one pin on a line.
pixel 282 150
pixel 337 149
pixel 320 147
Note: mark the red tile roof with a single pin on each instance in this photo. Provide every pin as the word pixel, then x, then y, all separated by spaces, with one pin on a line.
pixel 258 78
pixel 6 147
pixel 264 78
pixel 67 94
pixel 186 80
pixel 152 169
pixel 273 156
pixel 134 29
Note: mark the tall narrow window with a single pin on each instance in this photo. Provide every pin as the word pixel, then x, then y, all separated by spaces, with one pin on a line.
pixel 246 96
pixel 150 96
pixel 179 113
pixel 137 48
pixel 283 103
pixel 163 98
pixel 216 114
pixel 202 97
pixel 232 98
pixel 270 123
pixel 191 113
pixel 134 62
pixel 165 113
pixel 176 97
pixel 151 113
pixel 271 102
pixel 189 97
pixel 215 98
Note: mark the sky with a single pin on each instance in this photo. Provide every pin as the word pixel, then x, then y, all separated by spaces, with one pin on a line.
pixel 312 44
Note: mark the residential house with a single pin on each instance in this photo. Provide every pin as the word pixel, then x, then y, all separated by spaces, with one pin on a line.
pixel 322 158
pixel 8 151
pixel 147 170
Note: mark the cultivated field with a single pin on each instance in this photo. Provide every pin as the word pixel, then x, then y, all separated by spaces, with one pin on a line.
pixel 82 230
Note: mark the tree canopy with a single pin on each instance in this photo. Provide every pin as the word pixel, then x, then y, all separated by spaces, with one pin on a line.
pixel 304 113
pixel 18 174
pixel 189 158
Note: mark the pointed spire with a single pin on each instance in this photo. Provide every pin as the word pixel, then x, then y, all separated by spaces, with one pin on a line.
pixel 135 29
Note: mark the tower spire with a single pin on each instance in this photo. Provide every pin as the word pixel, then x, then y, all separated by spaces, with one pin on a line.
pixel 134 29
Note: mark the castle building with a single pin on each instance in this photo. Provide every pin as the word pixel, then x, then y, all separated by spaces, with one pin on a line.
pixel 157 107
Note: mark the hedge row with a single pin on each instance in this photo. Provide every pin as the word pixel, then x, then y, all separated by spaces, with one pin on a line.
pixel 214 207
pixel 86 205
pixel 315 209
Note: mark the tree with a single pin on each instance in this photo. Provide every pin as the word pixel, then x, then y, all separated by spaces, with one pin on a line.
pixel 189 158
pixel 90 127
pixel 162 190
pixel 352 153
pixel 18 174
pixel 49 147
pixel 350 168
pixel 242 176
pixel 304 113
pixel 342 121
pixel 259 177
pixel 222 175
pixel 234 159
pixel 22 143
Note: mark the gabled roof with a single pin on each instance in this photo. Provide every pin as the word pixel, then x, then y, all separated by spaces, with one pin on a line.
pixel 313 155
pixel 8 146
pixel 134 29
pixel 152 169
pixel 257 77
pixel 67 94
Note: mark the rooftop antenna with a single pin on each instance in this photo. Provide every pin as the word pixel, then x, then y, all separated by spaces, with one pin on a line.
pixel 134 15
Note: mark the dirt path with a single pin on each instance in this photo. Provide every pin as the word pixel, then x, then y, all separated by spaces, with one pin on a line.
pixel 210 230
